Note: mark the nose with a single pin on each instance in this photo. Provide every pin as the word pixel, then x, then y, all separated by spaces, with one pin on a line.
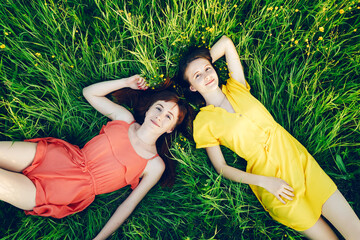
pixel 206 76
pixel 160 116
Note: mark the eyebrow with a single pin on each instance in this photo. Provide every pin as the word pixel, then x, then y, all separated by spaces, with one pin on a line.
pixel 204 67
pixel 168 111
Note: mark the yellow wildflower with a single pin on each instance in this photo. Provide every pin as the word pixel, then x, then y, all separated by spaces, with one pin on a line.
pixel 38 54
pixel 349 8
pixel 72 66
pixel 291 45
pixel 292 39
pixel 36 64
pixel 308 45
pixel 321 29
pixel 2 46
pixel 324 9
pixel 276 8
pixel 355 30
pixel 341 11
pixel 296 42
pixel 162 75
pixel 296 10
pixel 320 38
pixel 129 14
pixel 235 6
pixel 270 8
pixel 306 40
pixel 6 33
pixel 53 56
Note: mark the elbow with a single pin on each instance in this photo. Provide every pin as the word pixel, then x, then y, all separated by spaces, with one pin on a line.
pixel 226 38
pixel 86 92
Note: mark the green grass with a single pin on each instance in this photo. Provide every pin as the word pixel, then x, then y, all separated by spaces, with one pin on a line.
pixel 301 59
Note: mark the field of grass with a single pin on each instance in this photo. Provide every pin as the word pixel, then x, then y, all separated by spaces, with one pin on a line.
pixel 301 58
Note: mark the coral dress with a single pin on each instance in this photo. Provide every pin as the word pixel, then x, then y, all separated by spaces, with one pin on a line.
pixel 269 150
pixel 68 178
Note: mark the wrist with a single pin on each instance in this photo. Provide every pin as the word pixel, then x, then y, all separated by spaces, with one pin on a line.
pixel 262 181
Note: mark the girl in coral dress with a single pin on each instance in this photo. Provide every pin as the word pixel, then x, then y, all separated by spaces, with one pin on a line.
pixel 51 177
pixel 285 178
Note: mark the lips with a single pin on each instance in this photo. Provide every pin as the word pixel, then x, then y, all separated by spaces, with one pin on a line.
pixel 209 82
pixel 155 123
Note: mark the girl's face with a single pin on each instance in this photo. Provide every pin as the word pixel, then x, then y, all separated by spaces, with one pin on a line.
pixel 201 76
pixel 162 116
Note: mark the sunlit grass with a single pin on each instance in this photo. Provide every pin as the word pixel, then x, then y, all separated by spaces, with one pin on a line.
pixel 301 59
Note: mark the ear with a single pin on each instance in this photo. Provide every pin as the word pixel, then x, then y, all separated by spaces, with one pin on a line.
pixel 192 89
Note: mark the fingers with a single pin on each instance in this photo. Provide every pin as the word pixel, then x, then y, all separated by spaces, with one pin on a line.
pixel 288 187
pixel 141 84
pixel 281 200
pixel 287 193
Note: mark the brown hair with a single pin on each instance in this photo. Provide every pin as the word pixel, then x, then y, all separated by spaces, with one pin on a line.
pixel 139 102
pixel 191 54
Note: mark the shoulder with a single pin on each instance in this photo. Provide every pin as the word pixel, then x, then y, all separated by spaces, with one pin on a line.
pixel 156 166
pixel 233 85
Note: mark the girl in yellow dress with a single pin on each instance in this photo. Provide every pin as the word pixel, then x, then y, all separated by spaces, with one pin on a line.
pixel 285 178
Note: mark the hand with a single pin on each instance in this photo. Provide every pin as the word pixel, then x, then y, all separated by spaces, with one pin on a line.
pixel 279 188
pixel 137 83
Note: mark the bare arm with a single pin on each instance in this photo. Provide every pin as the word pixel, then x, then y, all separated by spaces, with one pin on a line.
pixel 234 174
pixel 95 95
pixel 155 169
pixel 278 187
pixel 224 46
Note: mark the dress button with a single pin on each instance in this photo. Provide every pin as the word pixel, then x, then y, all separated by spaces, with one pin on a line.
pixel 240 115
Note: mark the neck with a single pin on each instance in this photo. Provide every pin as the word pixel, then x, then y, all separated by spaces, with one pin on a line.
pixel 215 97
pixel 147 136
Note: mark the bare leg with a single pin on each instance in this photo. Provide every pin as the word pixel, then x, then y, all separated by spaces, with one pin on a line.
pixel 321 230
pixel 17 189
pixel 16 156
pixel 338 211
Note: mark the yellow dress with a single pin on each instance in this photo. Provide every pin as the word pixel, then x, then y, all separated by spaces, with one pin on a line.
pixel 269 150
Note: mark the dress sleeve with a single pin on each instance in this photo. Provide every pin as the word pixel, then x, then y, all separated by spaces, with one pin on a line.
pixel 203 135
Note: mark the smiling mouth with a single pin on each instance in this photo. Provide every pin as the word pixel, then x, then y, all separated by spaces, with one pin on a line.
pixel 155 123
pixel 209 82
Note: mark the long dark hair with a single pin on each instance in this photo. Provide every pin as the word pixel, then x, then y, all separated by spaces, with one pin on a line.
pixel 191 54
pixel 139 102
